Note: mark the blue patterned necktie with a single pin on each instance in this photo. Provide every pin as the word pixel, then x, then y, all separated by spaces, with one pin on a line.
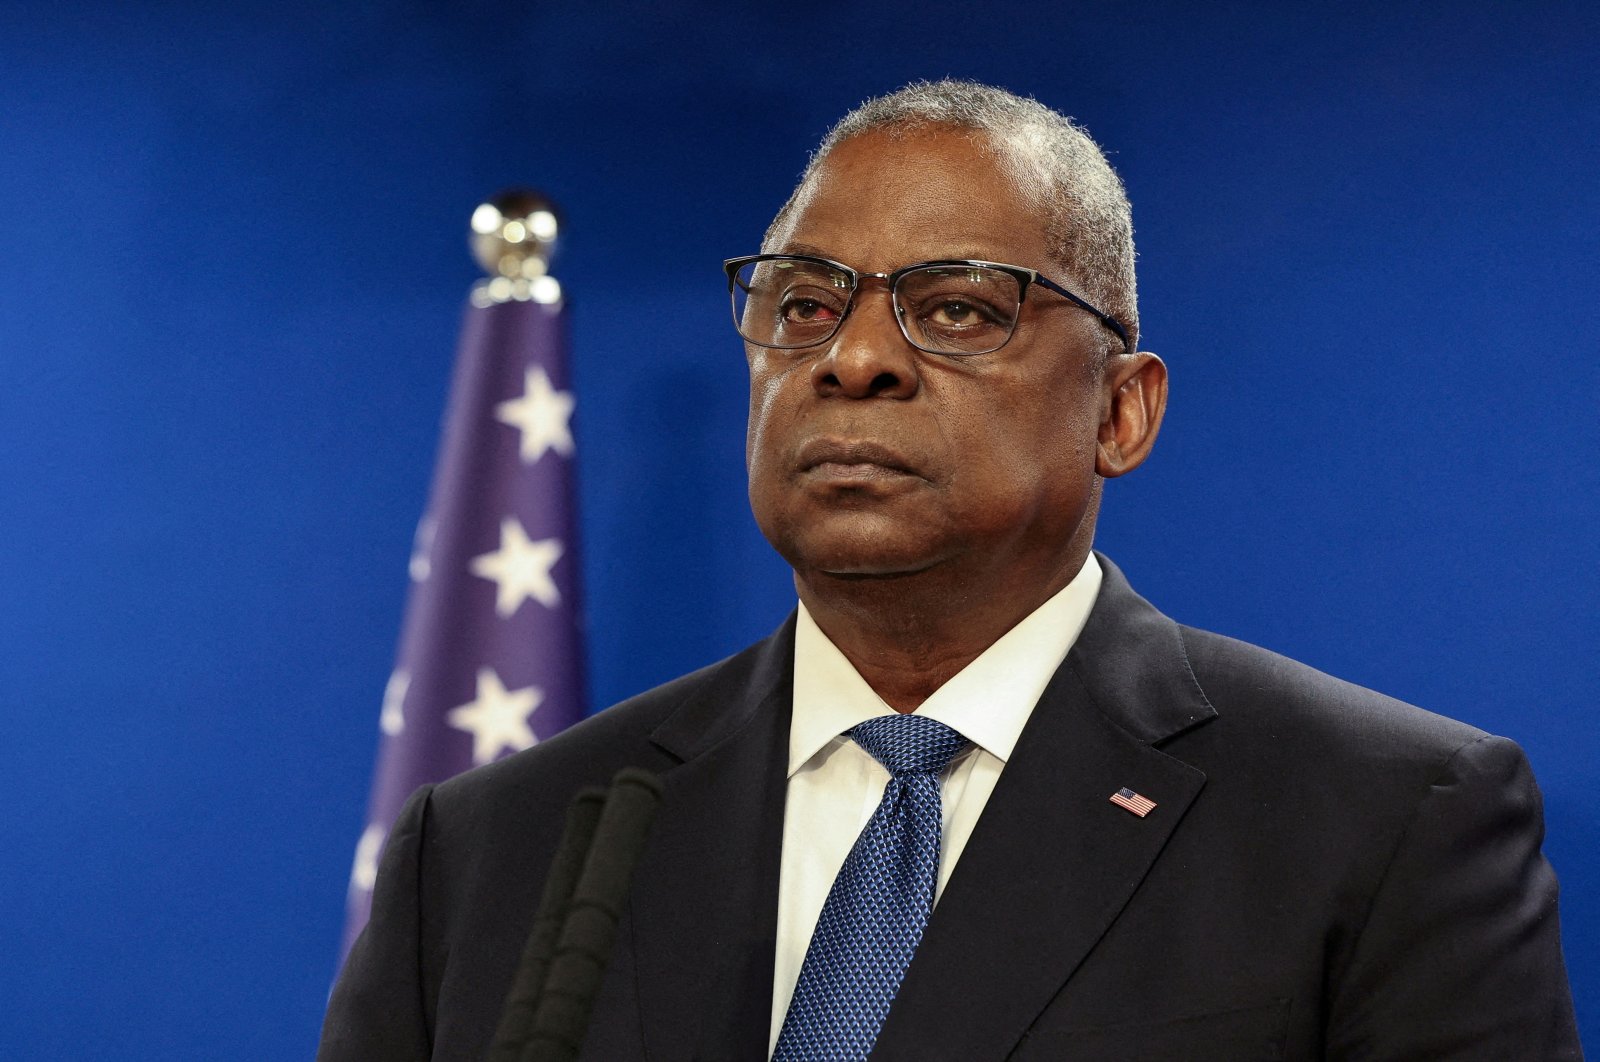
pixel 879 904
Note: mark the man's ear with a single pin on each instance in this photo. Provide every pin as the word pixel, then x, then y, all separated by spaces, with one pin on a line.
pixel 1131 406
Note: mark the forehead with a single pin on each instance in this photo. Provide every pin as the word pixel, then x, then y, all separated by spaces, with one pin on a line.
pixel 882 200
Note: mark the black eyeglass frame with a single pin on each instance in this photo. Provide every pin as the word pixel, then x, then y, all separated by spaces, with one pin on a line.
pixel 1022 274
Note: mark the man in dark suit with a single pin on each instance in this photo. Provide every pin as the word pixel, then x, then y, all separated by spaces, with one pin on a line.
pixel 1157 843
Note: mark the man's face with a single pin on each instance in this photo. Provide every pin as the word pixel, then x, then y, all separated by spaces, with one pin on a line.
pixel 870 457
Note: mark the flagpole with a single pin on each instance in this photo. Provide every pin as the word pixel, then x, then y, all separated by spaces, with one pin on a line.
pixel 490 659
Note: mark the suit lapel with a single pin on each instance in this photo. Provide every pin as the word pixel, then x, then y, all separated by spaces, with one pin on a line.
pixel 1052 862
pixel 704 902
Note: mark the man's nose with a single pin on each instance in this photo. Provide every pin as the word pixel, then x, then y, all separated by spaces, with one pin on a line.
pixel 869 356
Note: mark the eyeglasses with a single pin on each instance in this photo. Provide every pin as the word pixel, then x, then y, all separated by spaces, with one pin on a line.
pixel 956 307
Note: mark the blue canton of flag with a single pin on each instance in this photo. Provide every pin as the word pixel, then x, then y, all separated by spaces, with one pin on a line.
pixel 490 657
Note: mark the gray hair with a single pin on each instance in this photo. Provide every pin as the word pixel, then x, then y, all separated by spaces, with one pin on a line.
pixel 1088 222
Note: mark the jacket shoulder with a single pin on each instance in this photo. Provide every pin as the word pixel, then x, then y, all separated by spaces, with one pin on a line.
pixel 591 751
pixel 587 753
pixel 1249 684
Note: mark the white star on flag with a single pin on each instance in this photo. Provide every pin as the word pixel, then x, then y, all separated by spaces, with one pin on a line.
pixel 498 718
pixel 421 563
pixel 520 568
pixel 365 872
pixel 541 414
pixel 392 719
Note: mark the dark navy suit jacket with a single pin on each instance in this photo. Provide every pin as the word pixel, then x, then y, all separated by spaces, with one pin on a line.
pixel 1327 873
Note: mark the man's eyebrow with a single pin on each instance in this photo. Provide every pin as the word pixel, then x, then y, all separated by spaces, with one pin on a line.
pixel 805 248
pixel 960 253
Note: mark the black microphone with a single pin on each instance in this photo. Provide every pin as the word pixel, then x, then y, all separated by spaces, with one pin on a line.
pixel 590 929
pixel 547 1011
pixel 583 814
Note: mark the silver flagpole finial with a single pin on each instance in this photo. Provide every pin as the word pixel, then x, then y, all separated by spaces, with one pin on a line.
pixel 513 237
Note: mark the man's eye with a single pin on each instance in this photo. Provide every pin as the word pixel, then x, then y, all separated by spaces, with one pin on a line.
pixel 956 312
pixel 800 310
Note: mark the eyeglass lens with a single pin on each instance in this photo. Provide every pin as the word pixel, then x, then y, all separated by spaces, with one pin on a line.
pixel 944 309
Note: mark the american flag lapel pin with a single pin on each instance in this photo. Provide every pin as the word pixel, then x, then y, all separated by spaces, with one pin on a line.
pixel 1128 800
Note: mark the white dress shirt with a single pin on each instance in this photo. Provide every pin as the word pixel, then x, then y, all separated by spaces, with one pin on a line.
pixel 834 785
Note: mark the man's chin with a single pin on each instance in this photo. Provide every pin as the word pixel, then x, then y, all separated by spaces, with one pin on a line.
pixel 873 563
pixel 866 572
pixel 858 544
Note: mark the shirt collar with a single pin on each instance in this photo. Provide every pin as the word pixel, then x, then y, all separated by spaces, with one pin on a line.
pixel 988 701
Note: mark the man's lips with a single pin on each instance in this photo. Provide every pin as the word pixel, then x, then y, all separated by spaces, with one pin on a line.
pixel 852 460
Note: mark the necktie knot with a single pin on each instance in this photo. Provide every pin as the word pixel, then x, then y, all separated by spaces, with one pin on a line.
pixel 908 744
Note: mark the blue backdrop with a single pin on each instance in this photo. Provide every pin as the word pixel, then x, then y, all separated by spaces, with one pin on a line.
pixel 234 265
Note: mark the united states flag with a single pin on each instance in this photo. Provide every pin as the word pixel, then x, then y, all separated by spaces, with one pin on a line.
pixel 490 657
pixel 1128 799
